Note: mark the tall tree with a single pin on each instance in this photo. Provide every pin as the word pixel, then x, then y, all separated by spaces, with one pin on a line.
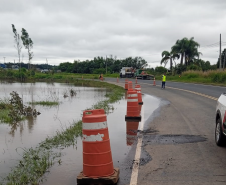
pixel 187 48
pixel 191 51
pixel 166 55
pixel 28 44
pixel 180 48
pixel 17 43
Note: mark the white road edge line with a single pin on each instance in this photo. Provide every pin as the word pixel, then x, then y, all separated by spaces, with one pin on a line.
pixel 136 164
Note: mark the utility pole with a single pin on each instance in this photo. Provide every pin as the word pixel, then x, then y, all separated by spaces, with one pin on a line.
pixel 46 63
pixel 106 65
pixel 4 59
pixel 220 53
pixel 224 58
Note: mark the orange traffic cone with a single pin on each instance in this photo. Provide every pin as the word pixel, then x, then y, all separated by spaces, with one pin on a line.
pixel 131 131
pixel 154 82
pixel 138 89
pixel 133 112
pixel 117 79
pixel 97 158
pixel 126 84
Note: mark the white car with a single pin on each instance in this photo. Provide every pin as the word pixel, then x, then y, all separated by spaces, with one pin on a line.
pixel 220 130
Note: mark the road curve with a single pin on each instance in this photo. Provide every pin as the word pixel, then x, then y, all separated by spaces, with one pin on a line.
pixel 210 90
pixel 180 138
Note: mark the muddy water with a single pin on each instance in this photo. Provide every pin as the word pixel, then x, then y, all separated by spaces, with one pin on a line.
pixel 123 144
pixel 34 130
pixel 31 132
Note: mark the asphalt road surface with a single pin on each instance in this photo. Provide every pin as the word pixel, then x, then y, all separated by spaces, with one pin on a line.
pixel 180 137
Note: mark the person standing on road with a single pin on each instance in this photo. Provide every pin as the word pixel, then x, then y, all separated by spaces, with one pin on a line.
pixel 163 80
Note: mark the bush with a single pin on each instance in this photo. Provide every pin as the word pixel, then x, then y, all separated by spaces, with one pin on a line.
pixel 194 67
pixel 219 77
pixel 99 71
pixel 160 69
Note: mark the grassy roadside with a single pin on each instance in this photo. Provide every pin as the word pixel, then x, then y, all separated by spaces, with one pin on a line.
pixel 37 161
pixel 217 78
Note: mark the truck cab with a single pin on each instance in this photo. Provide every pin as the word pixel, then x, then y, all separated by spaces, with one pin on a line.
pixel 126 72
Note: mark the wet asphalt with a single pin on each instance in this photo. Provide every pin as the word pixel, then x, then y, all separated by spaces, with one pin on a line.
pixel 210 90
pixel 178 140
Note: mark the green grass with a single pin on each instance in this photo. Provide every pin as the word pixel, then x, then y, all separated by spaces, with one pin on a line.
pixel 214 77
pixel 45 103
pixel 4 118
pixel 35 162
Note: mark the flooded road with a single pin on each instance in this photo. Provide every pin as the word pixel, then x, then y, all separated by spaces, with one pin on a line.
pixel 123 135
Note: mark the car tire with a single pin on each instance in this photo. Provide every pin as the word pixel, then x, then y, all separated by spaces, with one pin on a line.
pixel 219 136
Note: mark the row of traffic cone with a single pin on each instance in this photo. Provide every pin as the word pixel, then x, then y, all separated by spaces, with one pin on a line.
pixel 134 105
pixel 97 157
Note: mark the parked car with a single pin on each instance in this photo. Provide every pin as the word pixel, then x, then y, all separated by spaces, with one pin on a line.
pixel 220 129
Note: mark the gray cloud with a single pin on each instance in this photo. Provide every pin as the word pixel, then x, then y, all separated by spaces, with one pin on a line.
pixel 67 30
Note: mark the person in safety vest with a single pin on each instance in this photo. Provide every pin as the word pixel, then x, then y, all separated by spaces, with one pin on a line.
pixel 163 80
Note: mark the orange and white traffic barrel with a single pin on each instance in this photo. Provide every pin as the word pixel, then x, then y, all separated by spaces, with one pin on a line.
pixel 126 84
pixel 130 85
pixel 97 157
pixel 133 111
pixel 131 131
pixel 138 89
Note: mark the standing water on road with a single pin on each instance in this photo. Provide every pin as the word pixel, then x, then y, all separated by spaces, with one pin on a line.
pixel 30 132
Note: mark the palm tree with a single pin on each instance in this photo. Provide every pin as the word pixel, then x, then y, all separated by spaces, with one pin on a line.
pixel 191 52
pixel 180 48
pixel 166 55
pixel 187 48
pixel 165 58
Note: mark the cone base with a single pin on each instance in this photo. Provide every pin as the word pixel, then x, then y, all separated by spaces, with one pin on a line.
pixel 140 103
pixel 113 179
pixel 130 118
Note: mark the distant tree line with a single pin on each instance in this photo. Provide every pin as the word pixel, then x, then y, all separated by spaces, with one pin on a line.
pixel 102 65
pixel 30 66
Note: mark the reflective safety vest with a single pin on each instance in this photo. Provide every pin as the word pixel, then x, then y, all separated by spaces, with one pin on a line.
pixel 163 78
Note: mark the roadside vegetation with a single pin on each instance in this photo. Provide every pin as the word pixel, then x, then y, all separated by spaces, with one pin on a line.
pixel 35 162
pixel 13 110
pixel 45 103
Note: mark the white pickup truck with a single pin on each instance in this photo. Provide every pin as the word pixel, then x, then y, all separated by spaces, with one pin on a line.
pixel 220 130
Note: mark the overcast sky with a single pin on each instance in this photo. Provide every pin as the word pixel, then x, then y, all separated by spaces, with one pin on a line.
pixel 64 30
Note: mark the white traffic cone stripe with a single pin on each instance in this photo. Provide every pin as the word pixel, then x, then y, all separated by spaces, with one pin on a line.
pixel 94 126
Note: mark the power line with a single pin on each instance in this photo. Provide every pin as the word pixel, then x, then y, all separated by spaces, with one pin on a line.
pixel 212 45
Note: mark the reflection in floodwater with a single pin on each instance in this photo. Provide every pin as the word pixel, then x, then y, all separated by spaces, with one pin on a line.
pixel 131 132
